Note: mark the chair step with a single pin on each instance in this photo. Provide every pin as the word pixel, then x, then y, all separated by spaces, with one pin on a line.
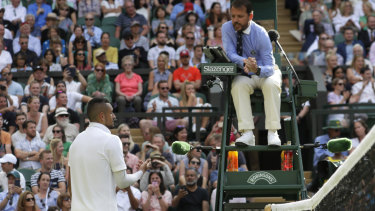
pixel 262 148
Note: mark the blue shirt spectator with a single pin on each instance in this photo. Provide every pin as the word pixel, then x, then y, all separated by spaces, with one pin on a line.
pixel 40 10
pixel 180 7
pixel 257 45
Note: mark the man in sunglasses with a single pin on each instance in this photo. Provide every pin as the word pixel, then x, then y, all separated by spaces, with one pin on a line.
pixel 131 160
pixel 102 58
pixel 62 120
pixel 130 48
pixel 157 104
pixel 189 45
pixel 14 88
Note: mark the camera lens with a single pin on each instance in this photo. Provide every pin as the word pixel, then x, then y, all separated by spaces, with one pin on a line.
pixel 154 164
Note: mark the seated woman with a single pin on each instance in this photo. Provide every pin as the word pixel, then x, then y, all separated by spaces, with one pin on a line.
pixel 189 99
pixel 64 202
pixel 189 28
pixel 71 12
pixel 59 133
pixel 347 17
pixel 65 21
pixel 51 59
pixel 88 6
pixel 331 61
pixel 27 201
pixel 199 164
pixel 216 39
pixel 80 60
pixel 360 131
pixel 19 64
pixel 338 96
pixel 111 8
pixel 160 17
pixel 60 162
pixel 46 197
pixel 98 84
pixel 40 118
pixel 156 197
pixel 123 129
pixel 215 16
pixel 79 43
pixel 53 35
pixel 353 72
pixel 128 87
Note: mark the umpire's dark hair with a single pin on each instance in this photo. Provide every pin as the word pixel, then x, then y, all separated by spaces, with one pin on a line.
pixel 243 3
pixel 92 107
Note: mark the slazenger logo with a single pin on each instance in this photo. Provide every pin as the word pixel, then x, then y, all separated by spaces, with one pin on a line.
pixel 262 175
pixel 220 69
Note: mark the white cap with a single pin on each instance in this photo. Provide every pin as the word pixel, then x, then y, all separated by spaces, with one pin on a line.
pixel 8 158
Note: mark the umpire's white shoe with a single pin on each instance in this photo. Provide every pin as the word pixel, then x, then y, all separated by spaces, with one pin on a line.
pixel 273 139
pixel 247 139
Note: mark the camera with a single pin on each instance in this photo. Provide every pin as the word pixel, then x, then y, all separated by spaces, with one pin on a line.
pixel 17 183
pixel 154 164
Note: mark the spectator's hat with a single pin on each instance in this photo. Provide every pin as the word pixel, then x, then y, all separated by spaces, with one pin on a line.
pixel 8 158
pixel 38 67
pixel 61 111
pixel 333 124
pixel 189 7
pixel 135 23
pixel 156 155
pixel 184 53
pixel 99 52
pixel 51 16
pixel 15 174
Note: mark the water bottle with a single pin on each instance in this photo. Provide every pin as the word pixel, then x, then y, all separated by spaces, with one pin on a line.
pixel 288 159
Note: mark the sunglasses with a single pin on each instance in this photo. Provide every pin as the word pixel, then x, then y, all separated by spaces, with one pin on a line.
pixel 163 27
pixel 195 162
pixel 164 88
pixel 3 88
pixel 89 19
pixel 340 84
pixel 324 38
pixel 80 54
pixel 81 42
pixel 56 131
pixel 29 199
pixel 24 43
pixel 66 199
pixel 190 38
pixel 99 69
pixel 63 115
pixel 5 74
pixel 65 9
pixel 126 143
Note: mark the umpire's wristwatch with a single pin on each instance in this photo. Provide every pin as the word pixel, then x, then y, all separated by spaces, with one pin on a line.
pixel 258 71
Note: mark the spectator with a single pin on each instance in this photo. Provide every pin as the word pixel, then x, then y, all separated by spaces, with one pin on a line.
pixel 166 4
pixel 79 43
pixel 190 99
pixel 5 57
pixel 367 36
pixel 180 40
pixel 49 55
pixel 199 164
pixel 320 59
pixel 157 104
pixel 71 84
pixel 363 91
pixel 20 65
pixel 98 84
pixel 138 52
pixel 161 46
pixel 28 149
pixel 331 61
pixel 8 162
pixel 128 198
pixel 156 197
pixel 64 202
pixel 65 21
pixel 57 180
pixel 34 42
pixel 72 14
pixel 123 129
pixel 216 39
pixel 216 14
pixel 59 134
pixel 186 73
pixel 163 27
pixel 44 79
pixel 143 8
pixel 53 36
pixel 160 17
pixel 131 160
pixel 181 9
pixel 210 5
pixel 101 57
pixel 46 196
pixel 347 17
pixel 317 18
pixel 360 131
pixel 14 88
pixel 359 51
pixel 192 196
pixel 80 60
pixel 15 12
pixel 47 33
pixel 353 72
pixel 307 12
pixel 35 90
pixel 60 162
pixel 91 32
pixel 158 143
pixel 198 56
pixel 333 131
pixel 27 202
pixel 192 19
pixel 8 117
pixel 39 118
pixel 12 99
pixel 338 96
pixel 74 99
pixel 40 10
pixel 47 89
pixel 139 40
pixel 334 10
pixel 128 87
pixel 72 116
pixel 110 52
pixel 189 45
pixel 34 30
pixel 345 49
pixel 111 8
pixel 7 42
pixel 89 6
pixel 20 134
pixel 9 198
pixel 124 21
pixel 161 73
pixel 158 165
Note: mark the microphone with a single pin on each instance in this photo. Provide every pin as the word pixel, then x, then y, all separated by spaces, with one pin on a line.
pixel 274 35
pixel 339 145
pixel 181 147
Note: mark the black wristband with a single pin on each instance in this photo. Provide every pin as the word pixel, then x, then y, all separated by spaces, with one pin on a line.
pixel 258 71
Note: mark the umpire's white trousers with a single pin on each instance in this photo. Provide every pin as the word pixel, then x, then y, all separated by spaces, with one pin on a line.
pixel 243 87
